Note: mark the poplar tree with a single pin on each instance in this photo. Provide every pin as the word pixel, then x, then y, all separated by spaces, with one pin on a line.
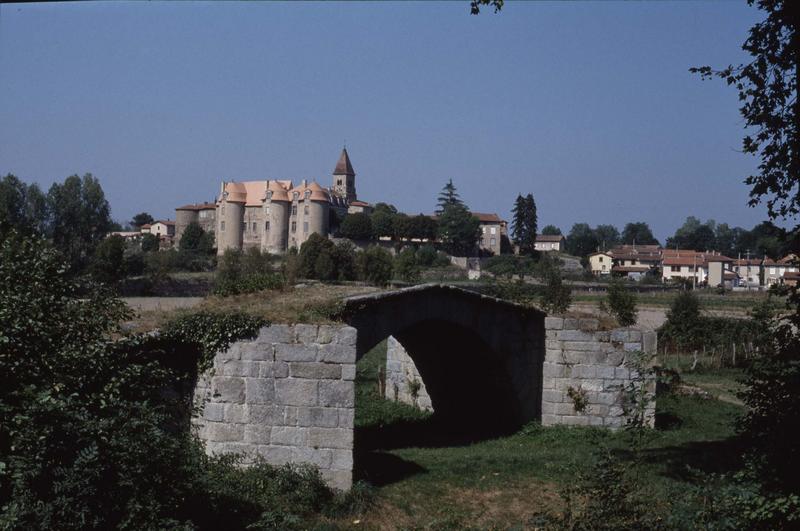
pixel 523 224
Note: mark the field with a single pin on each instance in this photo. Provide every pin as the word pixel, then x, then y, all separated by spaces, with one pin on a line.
pixel 428 476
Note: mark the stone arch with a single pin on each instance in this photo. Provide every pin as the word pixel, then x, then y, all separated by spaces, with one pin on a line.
pixel 480 357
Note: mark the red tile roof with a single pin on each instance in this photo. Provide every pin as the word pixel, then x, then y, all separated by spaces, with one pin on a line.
pixel 487 218
pixel 198 206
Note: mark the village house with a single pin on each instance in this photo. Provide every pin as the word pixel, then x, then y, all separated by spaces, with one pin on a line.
pixel 492 231
pixel 600 263
pixel 549 242
pixel 775 271
pixel 160 228
pixel 749 271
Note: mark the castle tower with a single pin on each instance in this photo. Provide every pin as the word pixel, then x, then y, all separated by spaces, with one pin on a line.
pixel 276 215
pixel 344 178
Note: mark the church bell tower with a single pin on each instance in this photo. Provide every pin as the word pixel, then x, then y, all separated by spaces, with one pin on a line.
pixel 344 178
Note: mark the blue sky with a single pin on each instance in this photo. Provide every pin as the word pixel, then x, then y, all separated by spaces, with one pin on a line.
pixel 589 106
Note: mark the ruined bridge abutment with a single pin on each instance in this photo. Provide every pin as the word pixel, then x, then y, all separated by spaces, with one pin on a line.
pixel 288 395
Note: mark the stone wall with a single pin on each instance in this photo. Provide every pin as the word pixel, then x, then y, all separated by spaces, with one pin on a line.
pixel 594 367
pixel 287 396
pixel 401 373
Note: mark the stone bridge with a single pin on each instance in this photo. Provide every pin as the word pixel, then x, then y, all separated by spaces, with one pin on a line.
pixel 288 395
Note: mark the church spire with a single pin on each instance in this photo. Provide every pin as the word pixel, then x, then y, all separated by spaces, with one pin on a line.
pixel 343 167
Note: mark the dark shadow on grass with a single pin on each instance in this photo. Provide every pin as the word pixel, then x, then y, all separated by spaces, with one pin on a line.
pixel 710 457
pixel 666 421
pixel 379 468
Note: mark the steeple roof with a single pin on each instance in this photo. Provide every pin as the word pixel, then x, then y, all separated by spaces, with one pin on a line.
pixel 343 167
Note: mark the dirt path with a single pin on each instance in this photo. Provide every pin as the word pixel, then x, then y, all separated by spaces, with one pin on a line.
pixel 149 304
pixel 652 317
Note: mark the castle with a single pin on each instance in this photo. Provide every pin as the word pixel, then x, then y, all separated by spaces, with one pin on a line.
pixel 273 215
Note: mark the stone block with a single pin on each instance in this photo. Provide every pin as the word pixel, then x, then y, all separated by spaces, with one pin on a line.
pixel 565 408
pixel 223 432
pixel 232 353
pixel 575 335
pixel 549 420
pixel 321 371
pixel 280 369
pixel 275 455
pixel 605 398
pixel 257 434
pixel 289 436
pixel 337 353
pixel 577 357
pixel 553 323
pixel 227 448
pixel 265 369
pixel 227 389
pixel 334 393
pixel 259 390
pixel 234 413
pixel 620 335
pixel 571 420
pixel 342 459
pixel 621 373
pixel 213 411
pixel 615 358
pixel 346 335
pixel 295 352
pixel 553 370
pixel 605 372
pixel 276 333
pixel 267 415
pixel 324 417
pixel 338 479
pixel 330 438
pixel 583 345
pixel 595 420
pixel 255 351
pixel 296 392
pixel 588 324
pixel 634 346
pixel 325 334
pixel 347 417
pixel 553 396
pixel 237 368
pixel 649 342
pixel 306 333
pixel 321 458
pixel 348 371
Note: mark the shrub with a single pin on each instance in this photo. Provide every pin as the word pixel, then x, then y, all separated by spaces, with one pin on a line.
pixel 375 265
pixel 406 266
pixel 108 262
pixel 150 243
pixel 309 252
pixel 621 303
pixel 426 255
pixel 555 297
pixel 344 258
pixel 194 238
pixel 245 273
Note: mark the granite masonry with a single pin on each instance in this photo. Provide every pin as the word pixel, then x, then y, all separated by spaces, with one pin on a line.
pixel 286 396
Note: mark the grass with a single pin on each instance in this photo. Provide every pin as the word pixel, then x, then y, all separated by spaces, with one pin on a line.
pixel 425 480
pixel 741 301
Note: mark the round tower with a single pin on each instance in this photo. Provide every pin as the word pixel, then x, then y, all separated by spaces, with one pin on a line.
pixel 277 207
pixel 319 204
pixel 230 216
pixel 183 217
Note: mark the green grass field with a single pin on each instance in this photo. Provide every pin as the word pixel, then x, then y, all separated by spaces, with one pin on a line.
pixel 708 299
pixel 431 477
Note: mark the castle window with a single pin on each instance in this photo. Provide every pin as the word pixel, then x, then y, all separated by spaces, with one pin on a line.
pixel 294 226
pixel 266 226
pixel 255 227
pixel 305 226
pixel 222 226
pixel 308 194
pixel 267 210
pixel 295 195
pixel 338 182
pixel 269 194
pixel 223 209
pixel 294 210
pixel 305 210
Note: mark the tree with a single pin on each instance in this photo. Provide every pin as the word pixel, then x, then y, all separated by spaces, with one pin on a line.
pixel 458 230
pixel 523 224
pixel 403 227
pixel 356 227
pixel 581 240
pixel 424 227
pixel 22 207
pixel 150 243
pixel 551 230
pixel 448 196
pixel 621 303
pixel 638 233
pixel 80 218
pixel 382 223
pixel 607 236
pixel 695 235
pixel 192 237
pixel 142 218
pixel 108 261
pixel 768 90
pixel 556 297
pixel 310 251
pixel 344 259
pixel 384 208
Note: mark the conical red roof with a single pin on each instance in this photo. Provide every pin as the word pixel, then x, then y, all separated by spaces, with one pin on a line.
pixel 343 167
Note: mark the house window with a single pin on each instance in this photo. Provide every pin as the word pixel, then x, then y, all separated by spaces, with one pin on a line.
pixel 294 226
pixel 266 226
pixel 492 241
pixel 666 269
pixel 771 270
pixel 222 226
pixel 600 259
pixel 305 226
pixel 493 230
pixel 294 210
